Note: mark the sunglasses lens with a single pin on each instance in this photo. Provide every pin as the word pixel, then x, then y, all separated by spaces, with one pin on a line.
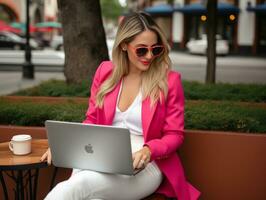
pixel 141 51
pixel 157 51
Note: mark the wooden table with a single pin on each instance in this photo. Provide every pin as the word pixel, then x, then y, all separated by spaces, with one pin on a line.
pixel 23 170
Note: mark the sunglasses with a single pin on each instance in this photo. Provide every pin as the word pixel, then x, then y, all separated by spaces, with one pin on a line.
pixel 142 51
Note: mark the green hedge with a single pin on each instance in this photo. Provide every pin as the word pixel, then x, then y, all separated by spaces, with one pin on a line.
pixel 56 88
pixel 224 91
pixel 223 116
pixel 35 114
pixel 193 91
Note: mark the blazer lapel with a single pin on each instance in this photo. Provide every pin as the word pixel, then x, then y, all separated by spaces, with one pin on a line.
pixel 110 104
pixel 147 111
pixel 147 114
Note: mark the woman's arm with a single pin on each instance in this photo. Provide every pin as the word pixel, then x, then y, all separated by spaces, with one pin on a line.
pixel 91 114
pixel 173 127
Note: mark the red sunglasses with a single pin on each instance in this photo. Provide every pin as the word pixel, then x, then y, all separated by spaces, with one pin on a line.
pixel 156 50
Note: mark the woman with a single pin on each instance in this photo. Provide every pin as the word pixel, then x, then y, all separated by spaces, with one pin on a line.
pixel 137 91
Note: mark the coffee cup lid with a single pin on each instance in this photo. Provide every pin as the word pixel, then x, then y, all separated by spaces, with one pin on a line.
pixel 21 137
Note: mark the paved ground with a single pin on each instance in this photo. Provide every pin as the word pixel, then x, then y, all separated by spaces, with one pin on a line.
pixel 12 81
pixel 230 69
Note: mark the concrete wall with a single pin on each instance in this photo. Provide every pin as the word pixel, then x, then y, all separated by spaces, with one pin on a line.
pixel 246 24
pixel 50 9
pixel 178 23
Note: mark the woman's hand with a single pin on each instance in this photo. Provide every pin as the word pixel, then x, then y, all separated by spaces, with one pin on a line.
pixel 141 158
pixel 47 156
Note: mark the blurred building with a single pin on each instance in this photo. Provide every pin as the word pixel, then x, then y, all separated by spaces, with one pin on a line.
pixel 9 11
pixel 40 10
pixel 241 23
pixel 161 11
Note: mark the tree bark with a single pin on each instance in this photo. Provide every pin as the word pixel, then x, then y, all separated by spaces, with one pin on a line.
pixel 84 39
pixel 211 37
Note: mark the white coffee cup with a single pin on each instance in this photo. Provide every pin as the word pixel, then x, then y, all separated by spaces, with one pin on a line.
pixel 20 144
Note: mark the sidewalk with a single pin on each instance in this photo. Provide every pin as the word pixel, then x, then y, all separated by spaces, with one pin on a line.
pixel 12 81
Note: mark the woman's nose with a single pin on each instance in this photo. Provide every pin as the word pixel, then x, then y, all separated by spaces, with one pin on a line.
pixel 149 55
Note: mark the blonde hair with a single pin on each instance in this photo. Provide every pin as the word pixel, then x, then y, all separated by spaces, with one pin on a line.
pixel 154 80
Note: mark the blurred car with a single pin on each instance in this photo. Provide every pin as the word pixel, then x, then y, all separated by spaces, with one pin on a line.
pixel 200 46
pixel 57 43
pixel 10 40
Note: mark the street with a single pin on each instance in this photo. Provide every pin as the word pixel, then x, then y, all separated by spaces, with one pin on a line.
pixel 229 69
pixel 44 60
pixel 49 64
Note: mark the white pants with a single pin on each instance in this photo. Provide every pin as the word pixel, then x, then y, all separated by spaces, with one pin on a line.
pixel 86 184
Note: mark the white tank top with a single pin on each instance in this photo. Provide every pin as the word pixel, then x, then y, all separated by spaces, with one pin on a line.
pixel 131 118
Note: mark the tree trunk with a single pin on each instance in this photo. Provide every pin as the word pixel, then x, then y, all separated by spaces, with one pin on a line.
pixel 211 37
pixel 84 38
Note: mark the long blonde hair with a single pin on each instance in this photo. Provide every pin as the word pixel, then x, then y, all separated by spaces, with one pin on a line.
pixel 154 80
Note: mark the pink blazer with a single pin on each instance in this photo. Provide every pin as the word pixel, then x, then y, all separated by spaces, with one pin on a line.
pixel 162 124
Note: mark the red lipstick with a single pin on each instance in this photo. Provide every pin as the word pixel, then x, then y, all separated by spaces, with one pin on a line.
pixel 145 62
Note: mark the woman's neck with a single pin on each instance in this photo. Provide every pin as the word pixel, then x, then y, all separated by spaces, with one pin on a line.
pixel 134 71
pixel 133 78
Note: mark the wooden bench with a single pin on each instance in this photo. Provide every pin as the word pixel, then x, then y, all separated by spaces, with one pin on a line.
pixel 157 197
pixel 221 165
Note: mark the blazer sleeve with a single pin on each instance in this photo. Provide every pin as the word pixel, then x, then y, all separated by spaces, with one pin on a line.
pixel 91 114
pixel 173 126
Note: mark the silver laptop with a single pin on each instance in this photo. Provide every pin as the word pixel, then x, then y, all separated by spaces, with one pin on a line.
pixel 92 147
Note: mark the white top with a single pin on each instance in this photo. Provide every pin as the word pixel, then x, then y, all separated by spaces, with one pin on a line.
pixel 131 118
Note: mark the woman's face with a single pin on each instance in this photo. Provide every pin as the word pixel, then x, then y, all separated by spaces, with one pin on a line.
pixel 138 64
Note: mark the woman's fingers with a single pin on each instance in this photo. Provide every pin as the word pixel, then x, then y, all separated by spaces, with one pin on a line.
pixel 136 158
pixel 44 156
pixel 141 164
pixel 140 158
pixel 47 156
pixel 147 153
